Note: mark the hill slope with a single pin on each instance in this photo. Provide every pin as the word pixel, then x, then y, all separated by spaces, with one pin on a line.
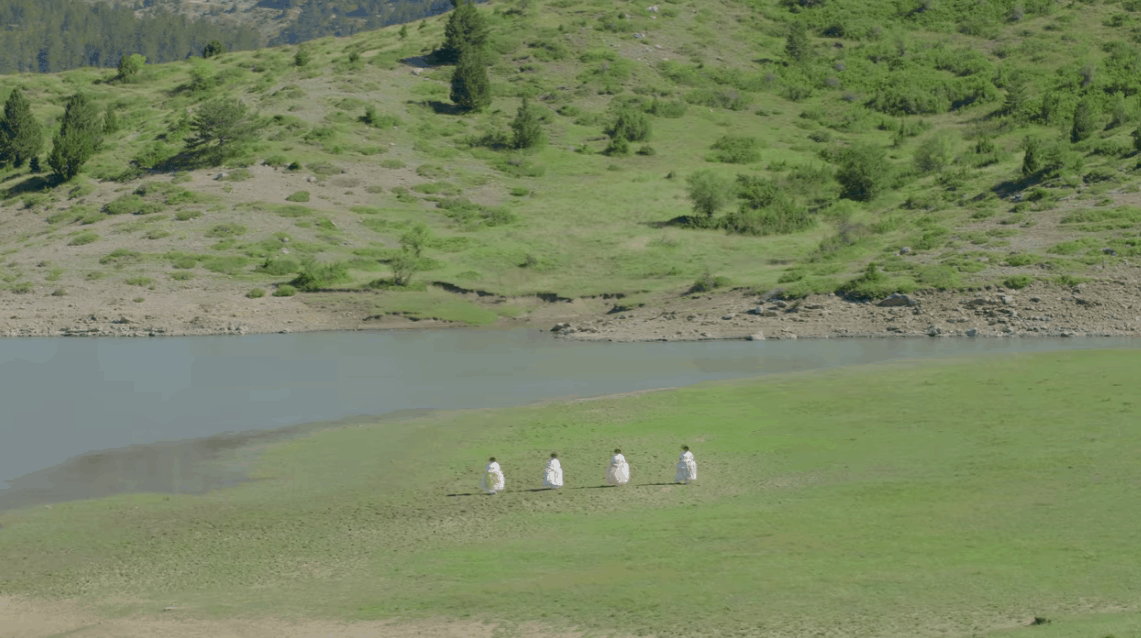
pixel 948 93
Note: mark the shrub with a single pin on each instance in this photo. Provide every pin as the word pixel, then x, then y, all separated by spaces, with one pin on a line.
pixel 226 230
pixel 279 266
pixel 131 204
pixel 935 153
pixel 187 215
pixel 1018 282
pixel 709 192
pixel 864 172
pixel 285 290
pixel 256 293
pixel 121 257
pixel 735 150
pixel 185 263
pixel 299 196
pixel 392 164
pixel 629 125
pixel 139 281
pixel 83 238
pixel 707 283
pixel 668 109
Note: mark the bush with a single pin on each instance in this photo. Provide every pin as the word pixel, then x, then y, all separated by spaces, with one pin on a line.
pixel 121 257
pixel 707 283
pixel 299 196
pixel 935 153
pixel 256 293
pixel 279 266
pixel 285 290
pixel 139 281
pixel 83 238
pixel 313 277
pixel 735 150
pixel 629 125
pixel 864 172
pixel 131 204
pixel 187 215
pixel 709 192
pixel 1018 282
pixel 226 230
pixel 667 109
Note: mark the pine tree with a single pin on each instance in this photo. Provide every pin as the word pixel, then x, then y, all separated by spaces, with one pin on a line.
pixel 1085 120
pixel 21 137
pixel 80 134
pixel 528 130
pixel 1017 98
pixel 110 120
pixel 471 88
pixel 220 128
pixel 466 28
pixel 797 45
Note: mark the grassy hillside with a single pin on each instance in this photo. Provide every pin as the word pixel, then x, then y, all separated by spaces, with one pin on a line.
pixel 961 84
pixel 961 498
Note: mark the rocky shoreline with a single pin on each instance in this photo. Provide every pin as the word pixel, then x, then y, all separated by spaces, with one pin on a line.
pixel 1105 309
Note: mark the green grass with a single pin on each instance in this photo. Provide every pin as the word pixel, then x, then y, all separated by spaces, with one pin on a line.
pixel 919 499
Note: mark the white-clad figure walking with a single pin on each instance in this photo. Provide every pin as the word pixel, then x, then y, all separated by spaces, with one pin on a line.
pixel 493 480
pixel 618 472
pixel 553 476
pixel 686 466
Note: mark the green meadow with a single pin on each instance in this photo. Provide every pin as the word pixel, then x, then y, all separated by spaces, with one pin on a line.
pixel 952 498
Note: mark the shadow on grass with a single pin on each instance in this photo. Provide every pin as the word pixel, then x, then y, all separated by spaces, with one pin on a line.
pixel 685 221
pixel 440 108
pixel 34 184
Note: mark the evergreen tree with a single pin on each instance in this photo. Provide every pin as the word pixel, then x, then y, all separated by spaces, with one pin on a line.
pixel 797 45
pixel 466 28
pixel 220 128
pixel 1031 162
pixel 130 65
pixel 21 137
pixel 110 120
pixel 471 88
pixel 80 134
pixel 1085 120
pixel 630 125
pixel 528 130
pixel 213 48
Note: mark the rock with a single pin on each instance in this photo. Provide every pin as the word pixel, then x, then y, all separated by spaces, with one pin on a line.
pixel 897 300
pixel 934 331
pixel 652 9
pixel 639 35
pixel 1109 251
pixel 1035 299
pixel 284 250
pixel 727 317
pixel 311 179
pixel 769 313
pixel 756 311
pixel 1006 299
pixel 560 327
pixel 756 336
pixel 220 176
pixel 906 250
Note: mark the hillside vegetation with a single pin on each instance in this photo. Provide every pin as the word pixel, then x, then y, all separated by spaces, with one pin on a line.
pixel 858 147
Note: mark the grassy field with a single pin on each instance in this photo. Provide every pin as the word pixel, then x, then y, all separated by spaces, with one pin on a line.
pixel 571 220
pixel 952 498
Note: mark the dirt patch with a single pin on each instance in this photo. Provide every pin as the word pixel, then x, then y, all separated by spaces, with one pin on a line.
pixel 27 619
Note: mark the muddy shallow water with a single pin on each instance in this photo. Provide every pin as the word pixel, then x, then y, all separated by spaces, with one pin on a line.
pixel 90 417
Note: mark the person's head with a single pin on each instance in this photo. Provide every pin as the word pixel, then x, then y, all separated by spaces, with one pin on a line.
pixel 685 447
pixel 554 455
pixel 617 451
pixel 491 460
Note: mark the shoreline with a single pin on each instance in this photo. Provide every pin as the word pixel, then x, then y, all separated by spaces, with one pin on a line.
pixel 1106 308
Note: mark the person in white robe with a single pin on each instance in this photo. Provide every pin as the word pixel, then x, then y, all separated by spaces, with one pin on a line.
pixel 493 480
pixel 553 476
pixel 686 466
pixel 618 472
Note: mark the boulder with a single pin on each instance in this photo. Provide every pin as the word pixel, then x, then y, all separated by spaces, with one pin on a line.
pixel 756 336
pixel 561 327
pixel 897 300
pixel 728 316
pixel 972 332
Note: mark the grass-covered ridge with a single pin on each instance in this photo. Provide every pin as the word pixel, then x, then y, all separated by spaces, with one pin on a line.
pixel 945 498
pixel 827 136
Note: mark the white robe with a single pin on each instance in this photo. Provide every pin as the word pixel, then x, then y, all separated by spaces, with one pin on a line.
pixel 618 472
pixel 553 476
pixel 493 480
pixel 686 468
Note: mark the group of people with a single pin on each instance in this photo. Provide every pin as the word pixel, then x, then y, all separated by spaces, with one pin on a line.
pixel 617 472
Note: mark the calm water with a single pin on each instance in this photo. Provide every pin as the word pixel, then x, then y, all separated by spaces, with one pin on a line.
pixel 159 410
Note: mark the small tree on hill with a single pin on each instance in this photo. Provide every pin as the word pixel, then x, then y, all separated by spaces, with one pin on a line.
pixel 471 88
pixel 213 48
pixel 630 125
pixel 863 173
pixel 79 137
pixel 528 130
pixel 935 153
pixel 1085 120
pixel 466 28
pixel 797 45
pixel 709 192
pixel 221 127
pixel 1017 102
pixel 21 137
pixel 110 120
pixel 130 65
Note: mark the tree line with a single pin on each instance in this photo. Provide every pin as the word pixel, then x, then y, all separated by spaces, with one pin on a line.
pixel 47 36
